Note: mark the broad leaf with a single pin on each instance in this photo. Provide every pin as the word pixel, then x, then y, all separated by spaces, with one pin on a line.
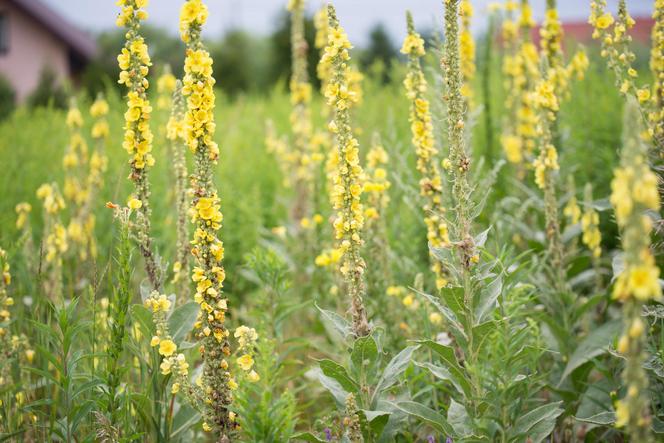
pixel 603 418
pixel 394 368
pixel 595 344
pixel 444 374
pixel 446 354
pixel 377 421
pixel 335 320
pixel 364 355
pixel 538 423
pixel 480 333
pixel 334 370
pixel 182 320
pixel 307 436
pixel 184 419
pixel 428 415
pixel 451 318
pixel 453 297
pixel 487 300
pixel 333 386
pixel 459 419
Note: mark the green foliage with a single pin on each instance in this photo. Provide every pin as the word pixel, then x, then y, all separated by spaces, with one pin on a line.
pixel 49 92
pixel 379 53
pixel 7 98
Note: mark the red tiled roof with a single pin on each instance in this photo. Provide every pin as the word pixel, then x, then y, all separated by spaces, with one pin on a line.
pixel 82 44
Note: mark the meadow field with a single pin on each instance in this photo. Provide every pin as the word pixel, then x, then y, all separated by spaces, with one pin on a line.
pixel 468 251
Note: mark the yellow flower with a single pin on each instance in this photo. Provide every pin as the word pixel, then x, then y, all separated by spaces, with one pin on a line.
pixel 643 94
pixel 604 21
pixel 167 347
pixel 74 118
pixel 413 44
pixel 435 318
pixel 245 362
pixel 643 282
pixel 622 414
pixel 134 203
pixel 253 376
pixel 99 108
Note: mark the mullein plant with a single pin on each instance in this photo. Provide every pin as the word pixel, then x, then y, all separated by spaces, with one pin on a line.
pixel 134 62
pixel 469 304
pixel 97 167
pixel 26 240
pixel 207 248
pixel 14 350
pixel 173 363
pixel 166 86
pixel 552 87
pixel 634 194
pixel 308 178
pixel 175 132
pixel 467 48
pixel 376 185
pixel 421 124
pixel 613 34
pixel 300 118
pixel 55 241
pixel 347 189
pixel 321 23
pixel 591 235
pixel 521 70
pixel 75 190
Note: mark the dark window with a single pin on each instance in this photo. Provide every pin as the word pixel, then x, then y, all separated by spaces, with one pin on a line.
pixel 4 33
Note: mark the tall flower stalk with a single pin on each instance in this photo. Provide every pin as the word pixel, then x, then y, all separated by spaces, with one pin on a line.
pixel 55 240
pixel 300 118
pixel 656 114
pixel 521 69
pixel 207 248
pixel 75 188
pixel 376 186
pixel 97 167
pixel 347 188
pixel 467 50
pixel 134 62
pixel 633 192
pixel 546 174
pixel 175 132
pixel 421 126
pixel 456 122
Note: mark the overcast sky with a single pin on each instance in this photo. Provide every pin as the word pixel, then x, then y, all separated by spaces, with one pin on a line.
pixel 357 16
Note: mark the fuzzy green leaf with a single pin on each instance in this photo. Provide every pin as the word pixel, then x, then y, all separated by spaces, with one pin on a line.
pixel 335 320
pixel 538 423
pixel 446 354
pixel 487 299
pixel 595 344
pixel 428 415
pixel 182 320
pixel 364 355
pixel 307 436
pixel 334 370
pixel 394 368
